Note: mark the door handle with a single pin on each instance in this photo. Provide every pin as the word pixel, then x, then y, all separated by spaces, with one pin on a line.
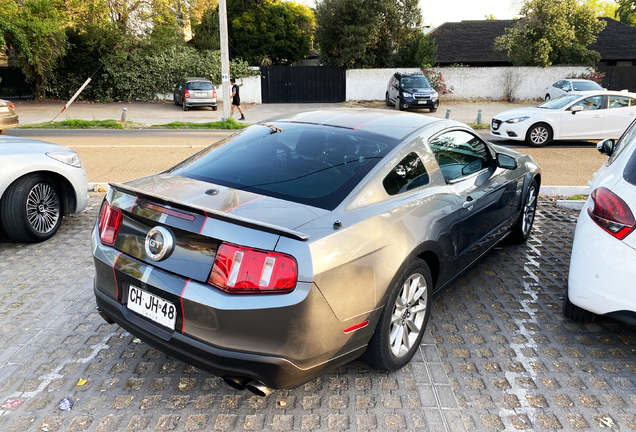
pixel 598 116
pixel 468 204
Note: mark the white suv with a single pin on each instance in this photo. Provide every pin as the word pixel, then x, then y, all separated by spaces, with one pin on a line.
pixel 603 264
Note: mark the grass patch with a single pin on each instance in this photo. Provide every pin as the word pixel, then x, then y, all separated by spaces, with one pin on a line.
pixel 479 126
pixel 225 124
pixel 579 197
pixel 76 124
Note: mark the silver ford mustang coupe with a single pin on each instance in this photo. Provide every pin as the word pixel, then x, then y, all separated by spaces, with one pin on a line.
pixel 299 244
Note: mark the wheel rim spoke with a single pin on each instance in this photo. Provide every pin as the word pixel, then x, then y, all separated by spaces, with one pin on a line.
pixel 42 208
pixel 408 315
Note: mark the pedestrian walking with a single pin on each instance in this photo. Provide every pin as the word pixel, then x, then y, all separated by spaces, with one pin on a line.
pixel 236 99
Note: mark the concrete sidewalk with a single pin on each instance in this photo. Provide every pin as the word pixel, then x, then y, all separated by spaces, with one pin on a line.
pixel 166 112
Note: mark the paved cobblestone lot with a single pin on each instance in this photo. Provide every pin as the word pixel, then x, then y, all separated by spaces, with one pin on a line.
pixel 498 355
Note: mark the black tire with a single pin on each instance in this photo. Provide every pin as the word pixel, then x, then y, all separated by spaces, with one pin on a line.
pixel 214 108
pixel 547 97
pixel 433 110
pixel 3 131
pixel 26 220
pixel 388 102
pixel 523 227
pixel 575 313
pixel 398 101
pixel 183 104
pixel 176 101
pixel 380 352
pixel 539 134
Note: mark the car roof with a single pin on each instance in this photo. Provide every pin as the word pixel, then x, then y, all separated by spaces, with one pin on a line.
pixel 580 80
pixel 196 79
pixel 605 92
pixel 390 123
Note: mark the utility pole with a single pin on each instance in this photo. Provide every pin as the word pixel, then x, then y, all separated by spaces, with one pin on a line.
pixel 225 60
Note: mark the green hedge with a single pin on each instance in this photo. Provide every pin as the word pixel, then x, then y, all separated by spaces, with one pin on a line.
pixel 140 76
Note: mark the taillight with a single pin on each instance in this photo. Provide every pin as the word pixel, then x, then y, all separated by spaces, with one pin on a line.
pixel 214 93
pixel 187 93
pixel 611 213
pixel 239 269
pixel 11 105
pixel 108 223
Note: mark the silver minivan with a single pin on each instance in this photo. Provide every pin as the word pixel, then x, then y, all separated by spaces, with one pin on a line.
pixel 195 92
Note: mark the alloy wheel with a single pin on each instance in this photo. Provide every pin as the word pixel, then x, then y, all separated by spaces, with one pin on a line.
pixel 529 209
pixel 43 208
pixel 408 315
pixel 539 135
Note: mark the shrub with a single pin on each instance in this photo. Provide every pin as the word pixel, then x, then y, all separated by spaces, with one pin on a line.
pixel 437 81
pixel 591 74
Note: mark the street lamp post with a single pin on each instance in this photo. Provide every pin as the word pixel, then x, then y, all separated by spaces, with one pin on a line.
pixel 225 60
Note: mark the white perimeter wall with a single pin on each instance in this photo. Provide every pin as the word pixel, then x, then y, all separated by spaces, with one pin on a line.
pixel 250 90
pixel 469 83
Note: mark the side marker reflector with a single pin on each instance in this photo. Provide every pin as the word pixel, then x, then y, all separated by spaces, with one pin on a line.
pixel 356 327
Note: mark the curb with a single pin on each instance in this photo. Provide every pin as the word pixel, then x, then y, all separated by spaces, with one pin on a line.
pixel 566 191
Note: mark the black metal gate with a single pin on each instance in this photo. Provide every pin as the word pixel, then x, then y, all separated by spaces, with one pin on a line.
pixel 13 84
pixel 301 84
pixel 619 77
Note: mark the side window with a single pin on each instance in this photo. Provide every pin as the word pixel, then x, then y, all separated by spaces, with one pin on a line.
pixel 408 174
pixel 566 85
pixel 628 139
pixel 459 154
pixel 618 101
pixel 557 84
pixel 591 103
pixel 632 102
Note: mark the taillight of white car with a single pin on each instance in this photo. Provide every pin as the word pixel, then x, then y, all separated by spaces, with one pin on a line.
pixel 611 213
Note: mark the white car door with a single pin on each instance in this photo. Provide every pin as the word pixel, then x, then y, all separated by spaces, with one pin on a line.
pixel 621 113
pixel 586 124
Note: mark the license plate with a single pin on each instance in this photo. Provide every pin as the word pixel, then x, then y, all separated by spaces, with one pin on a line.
pixel 155 308
pixel 201 94
pixel 421 102
pixel 4 109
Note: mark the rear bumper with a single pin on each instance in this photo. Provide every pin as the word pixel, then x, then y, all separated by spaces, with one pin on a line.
pixel 9 122
pixel 200 102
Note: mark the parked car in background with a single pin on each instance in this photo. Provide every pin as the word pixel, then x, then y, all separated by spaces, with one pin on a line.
pixel 195 92
pixel 40 182
pixel 565 86
pixel 602 266
pixel 412 91
pixel 297 245
pixel 8 117
pixel 590 115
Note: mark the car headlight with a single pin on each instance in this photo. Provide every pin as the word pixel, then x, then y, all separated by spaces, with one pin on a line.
pixel 405 94
pixel 517 119
pixel 435 95
pixel 67 157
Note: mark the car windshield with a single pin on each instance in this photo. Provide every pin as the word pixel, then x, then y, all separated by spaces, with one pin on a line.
pixel 560 102
pixel 199 85
pixel 585 85
pixel 415 82
pixel 307 164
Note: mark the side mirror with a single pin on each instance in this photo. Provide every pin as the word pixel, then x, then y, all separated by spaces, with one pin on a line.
pixel 506 162
pixel 605 147
pixel 576 109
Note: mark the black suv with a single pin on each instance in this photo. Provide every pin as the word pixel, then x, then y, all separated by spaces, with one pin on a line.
pixel 412 91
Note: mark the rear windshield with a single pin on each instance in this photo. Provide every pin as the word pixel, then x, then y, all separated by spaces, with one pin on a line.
pixel 583 85
pixel 628 140
pixel 307 164
pixel 199 85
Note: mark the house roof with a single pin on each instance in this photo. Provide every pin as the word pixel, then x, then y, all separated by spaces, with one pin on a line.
pixel 473 42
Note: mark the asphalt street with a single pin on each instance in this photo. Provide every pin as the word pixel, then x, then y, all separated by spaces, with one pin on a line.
pixel 122 155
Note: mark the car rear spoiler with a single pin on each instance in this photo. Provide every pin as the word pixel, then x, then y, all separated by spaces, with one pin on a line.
pixel 238 220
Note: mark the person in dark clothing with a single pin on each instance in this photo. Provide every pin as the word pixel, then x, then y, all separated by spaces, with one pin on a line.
pixel 236 99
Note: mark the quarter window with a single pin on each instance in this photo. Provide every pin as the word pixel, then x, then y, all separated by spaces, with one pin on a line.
pixel 621 101
pixel 459 154
pixel 407 175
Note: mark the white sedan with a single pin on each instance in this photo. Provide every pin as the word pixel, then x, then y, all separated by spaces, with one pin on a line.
pixel 39 183
pixel 565 86
pixel 602 270
pixel 576 116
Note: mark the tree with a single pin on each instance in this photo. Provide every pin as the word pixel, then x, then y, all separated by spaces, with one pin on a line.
pixel 602 8
pixel 36 30
pixel 207 32
pixel 417 51
pixel 626 12
pixel 279 30
pixel 552 32
pixel 365 33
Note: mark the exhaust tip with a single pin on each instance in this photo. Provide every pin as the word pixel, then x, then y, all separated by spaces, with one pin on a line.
pixel 105 317
pixel 258 388
pixel 237 383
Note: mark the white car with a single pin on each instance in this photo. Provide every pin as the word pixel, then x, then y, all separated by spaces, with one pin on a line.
pixel 39 183
pixel 565 86
pixel 576 116
pixel 602 266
